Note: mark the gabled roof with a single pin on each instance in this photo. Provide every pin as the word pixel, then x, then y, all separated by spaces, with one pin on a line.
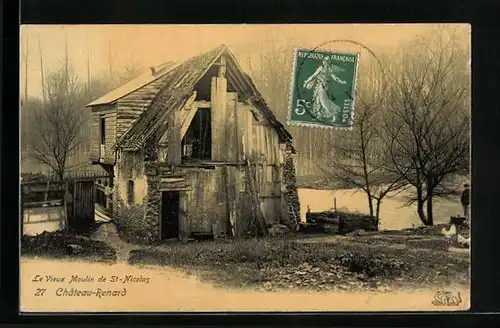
pixel 140 81
pixel 179 84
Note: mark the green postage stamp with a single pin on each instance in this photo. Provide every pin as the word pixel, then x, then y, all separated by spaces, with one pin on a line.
pixel 323 88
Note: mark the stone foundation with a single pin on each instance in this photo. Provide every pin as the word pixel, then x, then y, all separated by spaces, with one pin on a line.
pixel 291 195
pixel 153 203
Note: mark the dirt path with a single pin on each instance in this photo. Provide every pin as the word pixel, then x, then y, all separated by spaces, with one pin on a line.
pixel 106 232
pixel 166 289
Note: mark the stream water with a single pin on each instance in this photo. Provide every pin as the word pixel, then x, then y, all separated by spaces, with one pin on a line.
pixel 393 214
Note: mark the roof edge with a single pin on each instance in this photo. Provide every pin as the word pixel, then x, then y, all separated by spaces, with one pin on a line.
pixel 160 75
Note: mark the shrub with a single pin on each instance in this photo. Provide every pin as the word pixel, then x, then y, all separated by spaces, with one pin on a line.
pixel 131 224
pixel 373 265
pixel 55 244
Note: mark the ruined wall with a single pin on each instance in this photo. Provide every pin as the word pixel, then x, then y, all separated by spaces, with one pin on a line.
pixel 135 220
pixel 153 208
pixel 130 166
pixel 291 195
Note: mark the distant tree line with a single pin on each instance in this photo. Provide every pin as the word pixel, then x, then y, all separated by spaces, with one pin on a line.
pixel 54 129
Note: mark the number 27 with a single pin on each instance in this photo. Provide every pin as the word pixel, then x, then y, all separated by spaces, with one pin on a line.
pixel 40 291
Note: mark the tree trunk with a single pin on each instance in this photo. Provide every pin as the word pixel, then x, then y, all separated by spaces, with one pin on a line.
pixel 370 202
pixel 430 217
pixel 41 73
pixel 420 207
pixel 377 215
pixel 26 73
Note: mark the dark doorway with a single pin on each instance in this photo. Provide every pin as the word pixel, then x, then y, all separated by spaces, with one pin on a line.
pixel 169 214
pixel 82 216
pixel 197 143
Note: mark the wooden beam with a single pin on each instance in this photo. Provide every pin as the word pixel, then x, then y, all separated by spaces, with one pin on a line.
pixel 222 67
pixel 249 132
pixel 188 119
pixel 219 118
pixel 190 100
pixel 203 104
pixel 213 163
pixel 237 130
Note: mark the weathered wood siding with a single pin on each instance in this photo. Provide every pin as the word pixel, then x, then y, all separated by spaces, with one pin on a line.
pixel 83 202
pixel 108 112
pixel 218 196
pixel 173 135
pixel 206 200
pixel 94 135
pixel 231 132
pixel 215 198
pixel 131 106
pixel 219 117
pixel 262 147
pixel 110 128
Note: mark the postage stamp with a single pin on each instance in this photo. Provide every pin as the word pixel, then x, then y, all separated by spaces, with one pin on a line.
pixel 322 91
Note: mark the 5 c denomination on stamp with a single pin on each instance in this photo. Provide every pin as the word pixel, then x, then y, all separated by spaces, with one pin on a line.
pixel 322 88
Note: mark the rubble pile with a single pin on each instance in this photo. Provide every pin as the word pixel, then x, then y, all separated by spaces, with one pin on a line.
pixel 340 222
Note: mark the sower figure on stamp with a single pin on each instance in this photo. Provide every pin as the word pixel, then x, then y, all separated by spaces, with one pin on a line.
pixel 465 200
pixel 323 107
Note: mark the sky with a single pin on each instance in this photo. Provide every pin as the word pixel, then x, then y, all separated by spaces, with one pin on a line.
pixel 148 45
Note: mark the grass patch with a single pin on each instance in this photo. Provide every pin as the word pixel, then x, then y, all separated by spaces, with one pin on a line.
pixel 285 263
pixel 56 245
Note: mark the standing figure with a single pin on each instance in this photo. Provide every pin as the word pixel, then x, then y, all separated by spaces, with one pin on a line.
pixel 323 108
pixel 465 200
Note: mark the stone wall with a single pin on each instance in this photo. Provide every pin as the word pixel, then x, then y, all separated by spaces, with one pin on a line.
pixel 139 222
pixel 290 182
pixel 153 203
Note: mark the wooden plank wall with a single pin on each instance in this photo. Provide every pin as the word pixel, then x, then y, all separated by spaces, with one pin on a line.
pixel 94 135
pixel 110 125
pixel 83 205
pixel 215 198
pixel 219 118
pixel 264 151
pixel 173 135
pixel 204 208
pixel 131 106
pixel 231 131
pixel 108 112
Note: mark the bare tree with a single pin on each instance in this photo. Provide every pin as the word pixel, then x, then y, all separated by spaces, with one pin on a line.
pixel 57 124
pixel 89 95
pixel 41 70
pixel 357 158
pixel 111 67
pixel 131 69
pixel 25 49
pixel 27 117
pixel 427 127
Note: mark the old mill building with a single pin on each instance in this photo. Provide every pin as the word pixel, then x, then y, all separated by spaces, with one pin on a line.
pixel 195 147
